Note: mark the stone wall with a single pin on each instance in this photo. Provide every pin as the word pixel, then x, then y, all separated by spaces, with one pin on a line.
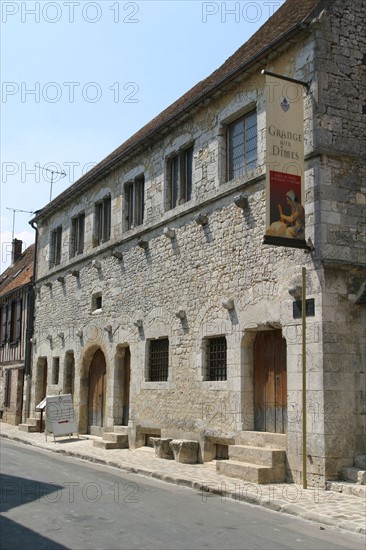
pixel 203 266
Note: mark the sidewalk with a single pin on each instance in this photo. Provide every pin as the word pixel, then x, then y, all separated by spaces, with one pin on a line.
pixel 324 507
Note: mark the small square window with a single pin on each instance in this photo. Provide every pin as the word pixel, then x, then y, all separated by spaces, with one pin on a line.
pixel 97 301
pixel 216 358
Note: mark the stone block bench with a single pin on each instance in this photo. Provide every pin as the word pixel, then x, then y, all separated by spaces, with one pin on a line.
pixel 162 447
pixel 185 450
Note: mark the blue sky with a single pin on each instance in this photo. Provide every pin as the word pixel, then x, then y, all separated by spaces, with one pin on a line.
pixel 79 77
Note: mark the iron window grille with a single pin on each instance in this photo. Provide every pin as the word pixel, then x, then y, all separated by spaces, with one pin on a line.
pixel 216 358
pixel 135 199
pixel 55 246
pixel 158 360
pixel 102 220
pixel 179 176
pixel 242 145
pixel 77 235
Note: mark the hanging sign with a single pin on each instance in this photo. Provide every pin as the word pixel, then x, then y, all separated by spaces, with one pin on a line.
pixel 285 213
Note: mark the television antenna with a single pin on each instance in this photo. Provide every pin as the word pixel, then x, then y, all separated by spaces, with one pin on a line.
pixel 16 210
pixel 62 174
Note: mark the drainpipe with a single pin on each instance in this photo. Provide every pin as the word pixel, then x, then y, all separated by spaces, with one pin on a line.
pixel 29 333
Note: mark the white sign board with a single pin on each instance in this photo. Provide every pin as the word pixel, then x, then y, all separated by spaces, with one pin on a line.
pixel 60 416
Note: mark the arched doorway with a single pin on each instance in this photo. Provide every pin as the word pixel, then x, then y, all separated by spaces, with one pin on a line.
pixel 270 382
pixel 97 390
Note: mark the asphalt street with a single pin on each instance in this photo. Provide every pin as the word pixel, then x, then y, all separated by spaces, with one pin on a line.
pixel 51 502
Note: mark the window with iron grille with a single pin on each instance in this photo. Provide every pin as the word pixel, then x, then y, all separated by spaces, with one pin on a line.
pixel 216 358
pixel 55 246
pixel 102 220
pixel 179 178
pixel 135 202
pixel 158 360
pixel 242 145
pixel 77 235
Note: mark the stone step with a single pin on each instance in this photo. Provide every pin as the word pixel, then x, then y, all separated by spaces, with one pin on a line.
pixel 253 473
pixel 347 488
pixel 113 437
pixel 350 473
pixel 120 429
pixel 360 462
pixel 262 439
pixel 101 444
pixel 257 455
pixel 33 421
pixel 96 430
pixel 30 428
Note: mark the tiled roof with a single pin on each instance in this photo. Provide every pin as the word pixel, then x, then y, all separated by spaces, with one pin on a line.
pixel 288 18
pixel 19 273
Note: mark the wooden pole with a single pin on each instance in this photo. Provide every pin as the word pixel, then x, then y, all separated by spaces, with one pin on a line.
pixel 303 315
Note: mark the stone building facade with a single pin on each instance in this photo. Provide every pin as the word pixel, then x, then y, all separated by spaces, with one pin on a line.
pixel 16 316
pixel 157 302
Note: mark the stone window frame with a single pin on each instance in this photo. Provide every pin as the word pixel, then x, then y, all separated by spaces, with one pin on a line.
pixel 149 343
pixel 97 302
pixel 177 162
pixel 55 246
pixel 134 202
pixel 205 359
pixel 247 166
pixel 102 220
pixel 77 238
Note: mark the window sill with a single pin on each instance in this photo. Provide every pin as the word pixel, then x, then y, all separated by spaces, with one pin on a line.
pixel 215 384
pixel 161 385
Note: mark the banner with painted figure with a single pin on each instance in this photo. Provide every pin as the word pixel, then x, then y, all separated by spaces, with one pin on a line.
pixel 285 214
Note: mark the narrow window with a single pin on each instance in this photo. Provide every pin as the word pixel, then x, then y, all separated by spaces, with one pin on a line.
pixel 55 246
pixel 13 321
pixel 216 358
pixel 77 235
pixel 135 198
pixel 242 145
pixel 55 370
pixel 18 321
pixel 179 178
pixel 102 221
pixel 158 360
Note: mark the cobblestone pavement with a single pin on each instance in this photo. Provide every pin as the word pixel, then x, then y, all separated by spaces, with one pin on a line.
pixel 324 507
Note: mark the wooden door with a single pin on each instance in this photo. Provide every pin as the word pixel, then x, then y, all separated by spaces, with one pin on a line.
pixel 126 387
pixel 270 382
pixel 97 389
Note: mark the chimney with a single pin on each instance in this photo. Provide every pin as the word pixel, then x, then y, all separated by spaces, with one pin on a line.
pixel 16 250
